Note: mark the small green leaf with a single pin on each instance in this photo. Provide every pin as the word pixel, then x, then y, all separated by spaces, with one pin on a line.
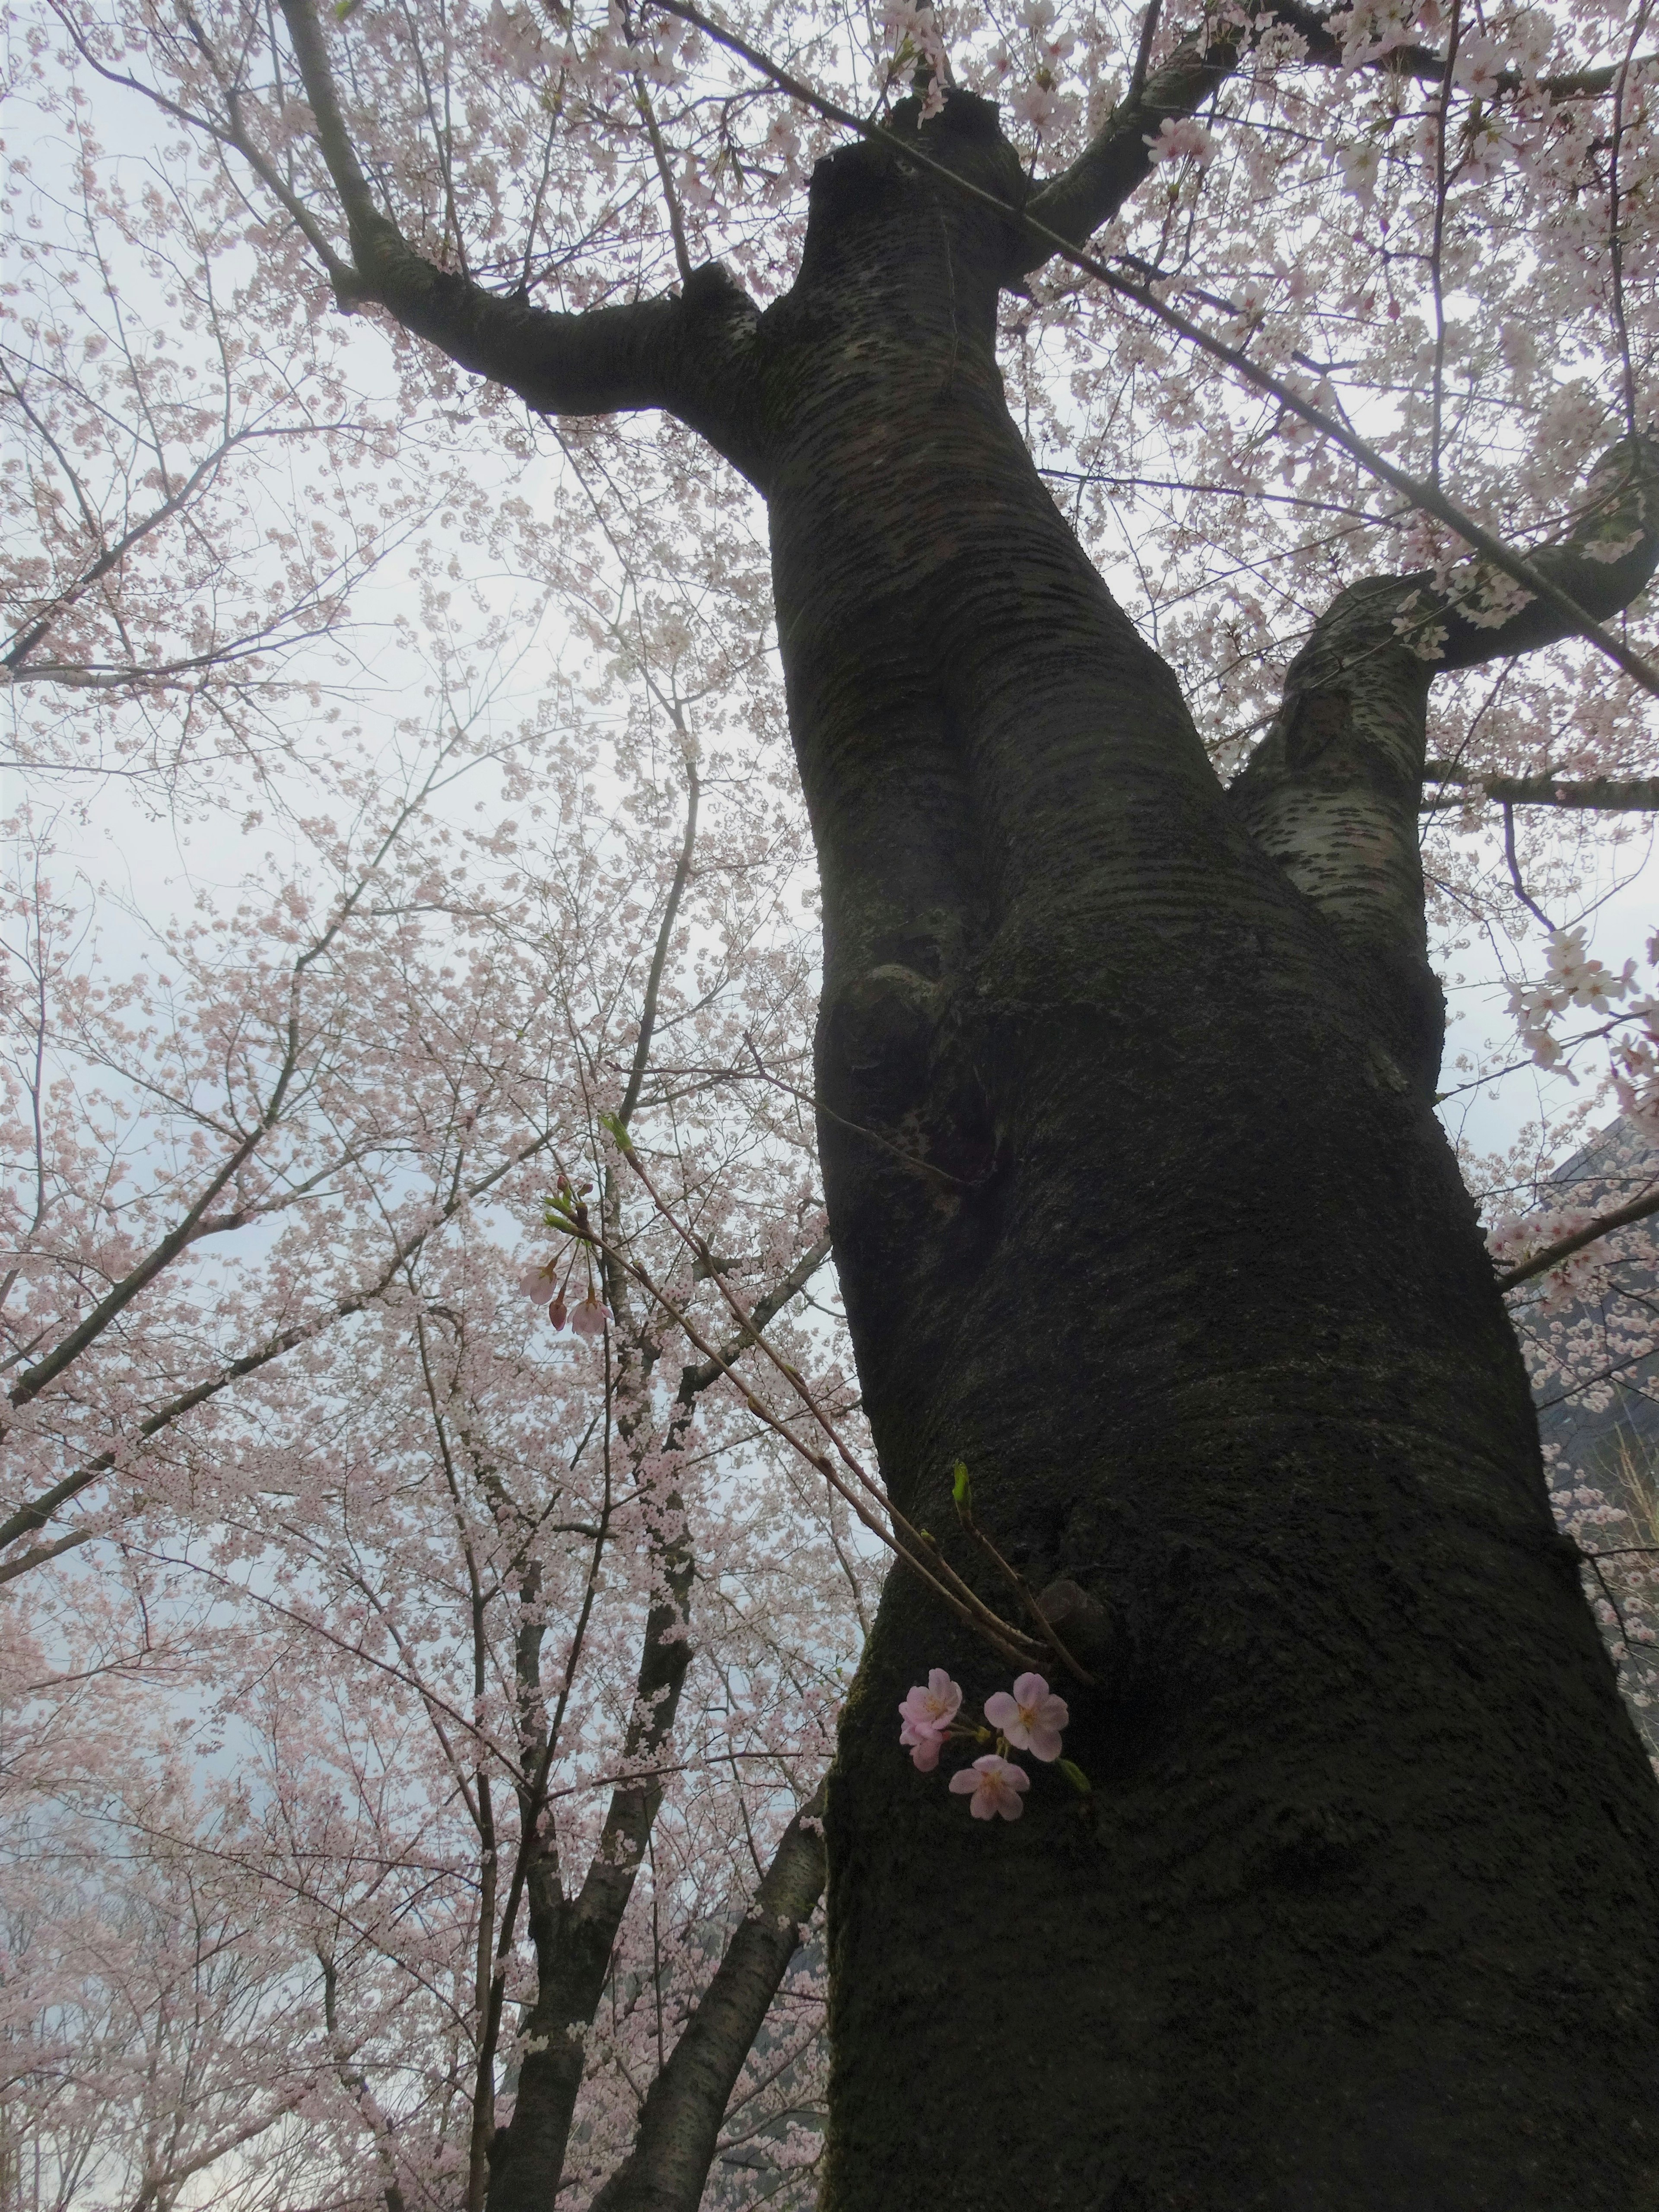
pixel 1078 1780
pixel 961 1490
pixel 344 8
pixel 618 1131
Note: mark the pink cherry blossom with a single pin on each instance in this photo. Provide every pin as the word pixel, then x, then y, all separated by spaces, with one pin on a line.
pixel 589 1318
pixel 540 1282
pixel 998 1786
pixel 1032 1718
pixel 927 1712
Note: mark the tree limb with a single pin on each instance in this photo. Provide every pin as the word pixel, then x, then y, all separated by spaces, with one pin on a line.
pixel 692 354
pixel 35 1515
pixel 1334 789
pixel 680 2124
pixel 1621 1217
pixel 574 1938
pixel 1600 795
pixel 1577 621
pixel 1589 571
pixel 1090 190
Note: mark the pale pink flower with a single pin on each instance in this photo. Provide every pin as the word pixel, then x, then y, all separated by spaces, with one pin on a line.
pixel 1183 139
pixel 589 1318
pixel 923 1745
pixel 998 1786
pixel 927 1712
pixel 1031 1719
pixel 540 1283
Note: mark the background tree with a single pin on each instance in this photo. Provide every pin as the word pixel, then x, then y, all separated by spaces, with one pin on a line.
pixel 1125 1074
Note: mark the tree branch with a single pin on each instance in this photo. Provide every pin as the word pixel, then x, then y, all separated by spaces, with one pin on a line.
pixel 1601 794
pixel 574 1941
pixel 664 937
pixel 690 353
pixel 1608 558
pixel 679 2126
pixel 1334 789
pixel 694 1380
pixel 1576 619
pixel 38 1554
pixel 1621 1217
pixel 1092 189
pixel 27 1518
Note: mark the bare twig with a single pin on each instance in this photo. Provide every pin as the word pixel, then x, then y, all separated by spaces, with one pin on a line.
pixel 1513 858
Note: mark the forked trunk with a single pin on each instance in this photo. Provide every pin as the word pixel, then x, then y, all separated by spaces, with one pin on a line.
pixel 1363 1913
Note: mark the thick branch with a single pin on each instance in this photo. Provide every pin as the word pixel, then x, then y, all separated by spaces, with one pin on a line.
pixel 1577 620
pixel 1091 189
pixel 680 2124
pixel 1430 67
pixel 1334 789
pixel 1600 795
pixel 692 354
pixel 1609 556
pixel 40 1554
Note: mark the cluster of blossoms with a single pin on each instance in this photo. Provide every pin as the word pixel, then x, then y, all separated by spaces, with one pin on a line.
pixel 587 1317
pixel 1029 1718
pixel 514 41
pixel 917 45
pixel 1030 80
pixel 1182 138
pixel 1571 978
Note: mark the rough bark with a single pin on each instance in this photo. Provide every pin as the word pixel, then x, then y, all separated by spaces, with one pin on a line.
pixel 1366 1913
pixel 680 2121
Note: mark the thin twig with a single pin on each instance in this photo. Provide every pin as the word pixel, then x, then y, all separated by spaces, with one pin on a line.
pixel 1514 859
pixel 1144 56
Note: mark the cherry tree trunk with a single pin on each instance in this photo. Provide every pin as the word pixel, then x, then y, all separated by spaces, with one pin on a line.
pixel 1363 1914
